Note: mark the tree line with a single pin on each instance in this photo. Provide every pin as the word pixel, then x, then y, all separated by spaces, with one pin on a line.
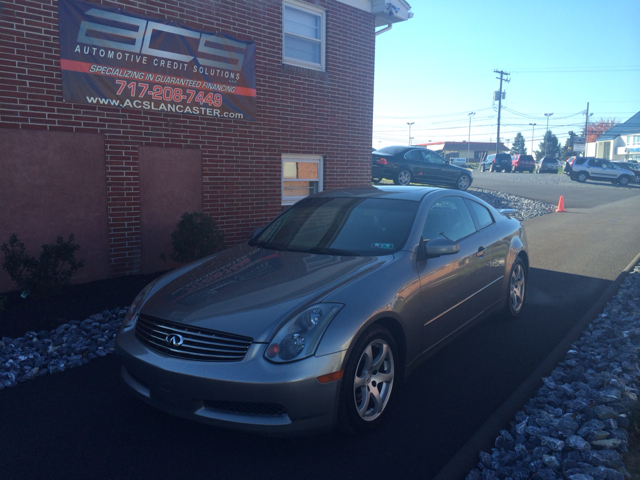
pixel 550 145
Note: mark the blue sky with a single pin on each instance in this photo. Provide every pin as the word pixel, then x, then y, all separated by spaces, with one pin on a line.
pixel 438 66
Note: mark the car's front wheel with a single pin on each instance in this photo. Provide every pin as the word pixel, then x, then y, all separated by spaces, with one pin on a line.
pixel 368 381
pixel 582 177
pixel 403 178
pixel 463 182
pixel 517 288
pixel 624 180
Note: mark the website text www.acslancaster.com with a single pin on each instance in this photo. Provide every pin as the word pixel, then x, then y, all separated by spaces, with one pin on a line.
pixel 164 107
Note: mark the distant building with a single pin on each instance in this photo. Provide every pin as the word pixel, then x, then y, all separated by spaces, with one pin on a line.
pixel 475 150
pixel 621 142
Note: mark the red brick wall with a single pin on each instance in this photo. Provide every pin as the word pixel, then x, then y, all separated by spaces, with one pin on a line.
pixel 298 111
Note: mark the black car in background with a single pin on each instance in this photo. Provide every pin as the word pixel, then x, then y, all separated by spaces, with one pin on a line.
pixel 405 165
pixel 496 163
pixel 633 167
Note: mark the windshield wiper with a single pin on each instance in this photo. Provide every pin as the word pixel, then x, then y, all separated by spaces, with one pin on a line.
pixel 267 245
pixel 331 251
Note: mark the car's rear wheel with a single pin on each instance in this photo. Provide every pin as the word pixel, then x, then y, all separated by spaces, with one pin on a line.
pixel 403 178
pixel 582 177
pixel 517 288
pixel 624 180
pixel 368 381
pixel 463 182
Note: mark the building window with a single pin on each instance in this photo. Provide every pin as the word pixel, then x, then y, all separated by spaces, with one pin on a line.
pixel 636 139
pixel 303 35
pixel 301 177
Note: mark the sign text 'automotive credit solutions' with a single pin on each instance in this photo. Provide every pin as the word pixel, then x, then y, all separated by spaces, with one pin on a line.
pixel 114 58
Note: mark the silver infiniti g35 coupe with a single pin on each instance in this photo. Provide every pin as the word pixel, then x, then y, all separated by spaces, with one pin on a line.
pixel 315 320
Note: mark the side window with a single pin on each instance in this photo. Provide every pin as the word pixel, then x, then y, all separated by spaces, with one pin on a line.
pixel 301 177
pixel 432 157
pixel 481 216
pixel 414 156
pixel 450 218
pixel 303 35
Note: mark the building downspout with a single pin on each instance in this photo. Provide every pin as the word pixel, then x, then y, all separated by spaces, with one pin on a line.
pixel 385 29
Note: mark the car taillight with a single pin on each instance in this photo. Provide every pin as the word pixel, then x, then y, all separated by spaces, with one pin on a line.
pixel 381 161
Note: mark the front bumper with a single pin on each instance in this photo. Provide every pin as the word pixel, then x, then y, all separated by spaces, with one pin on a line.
pixel 252 395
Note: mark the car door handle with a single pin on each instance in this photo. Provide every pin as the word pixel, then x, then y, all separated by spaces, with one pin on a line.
pixel 480 252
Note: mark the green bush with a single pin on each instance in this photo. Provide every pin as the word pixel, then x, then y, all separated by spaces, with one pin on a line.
pixel 47 275
pixel 196 236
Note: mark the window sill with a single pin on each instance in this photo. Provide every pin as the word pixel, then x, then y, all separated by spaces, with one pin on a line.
pixel 305 71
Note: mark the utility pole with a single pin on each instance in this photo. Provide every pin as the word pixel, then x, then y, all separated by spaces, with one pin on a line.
pixel 410 123
pixel 471 114
pixel 546 133
pixel 533 129
pixel 502 74
pixel 586 130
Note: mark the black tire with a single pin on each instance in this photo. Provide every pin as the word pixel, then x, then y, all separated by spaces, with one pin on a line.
pixel 582 177
pixel 403 177
pixel 463 182
pixel 517 290
pixel 365 404
pixel 572 176
pixel 623 180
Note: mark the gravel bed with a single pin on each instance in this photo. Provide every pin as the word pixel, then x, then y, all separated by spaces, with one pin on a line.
pixel 525 208
pixel 575 427
pixel 70 345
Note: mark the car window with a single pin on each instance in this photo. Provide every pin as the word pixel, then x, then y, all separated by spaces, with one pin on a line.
pixel 360 226
pixel 450 218
pixel 580 160
pixel 432 157
pixel 606 164
pixel 594 162
pixel 481 215
pixel 414 155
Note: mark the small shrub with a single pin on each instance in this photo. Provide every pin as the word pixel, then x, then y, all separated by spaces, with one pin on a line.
pixel 196 236
pixel 47 275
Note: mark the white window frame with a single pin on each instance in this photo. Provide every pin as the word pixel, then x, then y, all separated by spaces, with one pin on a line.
pixel 323 38
pixel 303 158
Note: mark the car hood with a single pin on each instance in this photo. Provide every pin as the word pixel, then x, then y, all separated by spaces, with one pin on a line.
pixel 250 291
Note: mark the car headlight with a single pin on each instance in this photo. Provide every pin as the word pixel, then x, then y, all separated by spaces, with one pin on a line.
pixel 299 336
pixel 132 313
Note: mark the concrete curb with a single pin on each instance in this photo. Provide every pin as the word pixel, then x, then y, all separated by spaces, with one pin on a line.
pixel 467 457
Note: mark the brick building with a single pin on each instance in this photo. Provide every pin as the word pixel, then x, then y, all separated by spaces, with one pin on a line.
pixel 119 177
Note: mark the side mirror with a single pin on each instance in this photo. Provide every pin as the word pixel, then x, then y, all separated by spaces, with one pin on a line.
pixel 437 247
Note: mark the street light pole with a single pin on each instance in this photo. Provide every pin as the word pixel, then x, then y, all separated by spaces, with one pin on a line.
pixel 545 135
pixel 471 114
pixel 410 123
pixel 533 128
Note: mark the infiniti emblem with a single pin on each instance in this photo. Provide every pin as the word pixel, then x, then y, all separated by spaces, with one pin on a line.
pixel 174 340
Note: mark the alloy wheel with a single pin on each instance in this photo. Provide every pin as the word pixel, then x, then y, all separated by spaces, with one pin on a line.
pixel 373 380
pixel 517 287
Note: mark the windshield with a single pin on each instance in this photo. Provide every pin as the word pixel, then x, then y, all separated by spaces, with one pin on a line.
pixel 341 226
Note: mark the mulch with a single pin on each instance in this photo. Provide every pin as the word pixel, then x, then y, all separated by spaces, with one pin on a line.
pixel 77 302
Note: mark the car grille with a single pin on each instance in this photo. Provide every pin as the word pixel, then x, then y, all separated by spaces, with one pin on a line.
pixel 189 342
pixel 247 408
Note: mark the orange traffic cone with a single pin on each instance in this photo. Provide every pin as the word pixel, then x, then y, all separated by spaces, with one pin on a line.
pixel 561 205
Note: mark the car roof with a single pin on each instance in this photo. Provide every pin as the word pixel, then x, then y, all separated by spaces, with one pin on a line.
pixel 387 191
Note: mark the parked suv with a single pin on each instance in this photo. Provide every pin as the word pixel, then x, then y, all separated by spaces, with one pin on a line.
pixel 584 168
pixel 496 163
pixel 547 164
pixel 522 163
